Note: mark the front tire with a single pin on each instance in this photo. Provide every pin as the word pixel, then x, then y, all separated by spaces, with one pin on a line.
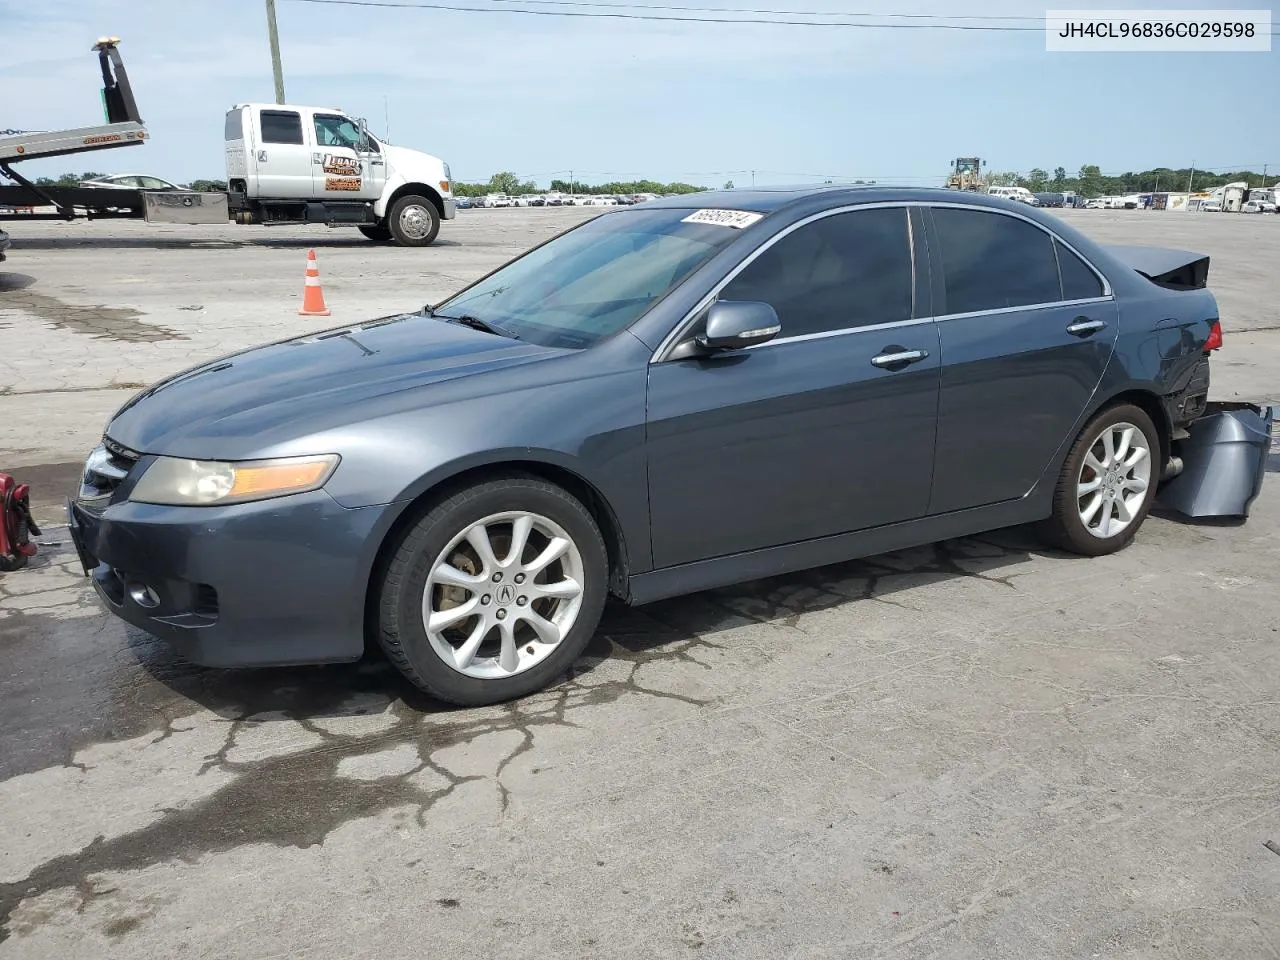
pixel 494 592
pixel 1108 483
pixel 414 221
pixel 378 233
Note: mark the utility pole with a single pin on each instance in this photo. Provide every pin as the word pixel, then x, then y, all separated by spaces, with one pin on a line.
pixel 276 71
pixel 1191 176
pixel 753 179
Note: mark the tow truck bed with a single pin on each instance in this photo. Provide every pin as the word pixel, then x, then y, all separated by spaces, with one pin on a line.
pixel 96 203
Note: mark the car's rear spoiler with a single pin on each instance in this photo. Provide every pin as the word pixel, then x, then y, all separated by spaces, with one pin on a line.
pixel 1175 269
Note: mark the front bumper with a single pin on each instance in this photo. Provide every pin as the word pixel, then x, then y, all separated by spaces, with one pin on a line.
pixel 272 583
pixel 450 208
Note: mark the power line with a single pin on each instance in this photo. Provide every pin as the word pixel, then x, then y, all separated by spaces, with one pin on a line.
pixel 669 19
pixel 935 22
pixel 771 12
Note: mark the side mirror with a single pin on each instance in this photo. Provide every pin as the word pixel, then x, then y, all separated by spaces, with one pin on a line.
pixel 734 324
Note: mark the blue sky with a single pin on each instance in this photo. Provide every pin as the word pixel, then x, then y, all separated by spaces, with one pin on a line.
pixel 617 99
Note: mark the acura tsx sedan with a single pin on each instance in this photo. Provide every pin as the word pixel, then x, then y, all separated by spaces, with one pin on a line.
pixel 670 397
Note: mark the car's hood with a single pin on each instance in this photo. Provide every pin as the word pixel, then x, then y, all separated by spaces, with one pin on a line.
pixel 246 400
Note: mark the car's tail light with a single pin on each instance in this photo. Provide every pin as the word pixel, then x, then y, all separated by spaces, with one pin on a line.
pixel 1215 337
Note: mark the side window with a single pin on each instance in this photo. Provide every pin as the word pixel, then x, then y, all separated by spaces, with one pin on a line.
pixel 1078 281
pixel 335 131
pixel 846 270
pixel 281 126
pixel 233 130
pixel 991 261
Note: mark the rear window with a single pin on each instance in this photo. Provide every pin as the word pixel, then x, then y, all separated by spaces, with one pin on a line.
pixel 281 126
pixel 234 129
pixel 1079 282
pixel 992 262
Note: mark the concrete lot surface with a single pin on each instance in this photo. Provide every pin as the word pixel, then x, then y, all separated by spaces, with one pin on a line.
pixel 980 749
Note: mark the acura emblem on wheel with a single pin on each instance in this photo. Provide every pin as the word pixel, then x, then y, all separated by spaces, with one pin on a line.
pixel 506 594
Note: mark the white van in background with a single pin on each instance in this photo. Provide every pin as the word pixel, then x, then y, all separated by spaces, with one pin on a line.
pixel 1021 194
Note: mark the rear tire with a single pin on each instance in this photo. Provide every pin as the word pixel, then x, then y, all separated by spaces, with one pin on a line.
pixel 378 233
pixel 472 620
pixel 1108 483
pixel 414 221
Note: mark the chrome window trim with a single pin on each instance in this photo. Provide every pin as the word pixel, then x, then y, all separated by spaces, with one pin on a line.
pixel 673 338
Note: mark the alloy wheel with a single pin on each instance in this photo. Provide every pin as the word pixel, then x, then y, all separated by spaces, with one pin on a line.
pixel 1114 480
pixel 503 594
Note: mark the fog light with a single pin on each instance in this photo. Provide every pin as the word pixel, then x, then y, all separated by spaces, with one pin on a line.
pixel 143 595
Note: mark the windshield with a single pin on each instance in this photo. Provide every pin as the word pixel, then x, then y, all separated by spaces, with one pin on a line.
pixel 593 281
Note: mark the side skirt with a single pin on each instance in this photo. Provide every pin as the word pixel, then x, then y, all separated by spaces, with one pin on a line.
pixel 774 561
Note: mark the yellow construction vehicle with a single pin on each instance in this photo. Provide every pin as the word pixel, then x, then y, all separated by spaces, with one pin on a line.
pixel 966 174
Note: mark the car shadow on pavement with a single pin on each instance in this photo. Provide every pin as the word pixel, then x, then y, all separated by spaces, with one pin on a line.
pixel 14 281
pixel 668 629
pixel 198 243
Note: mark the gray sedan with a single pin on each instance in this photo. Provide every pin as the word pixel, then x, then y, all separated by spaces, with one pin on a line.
pixel 670 397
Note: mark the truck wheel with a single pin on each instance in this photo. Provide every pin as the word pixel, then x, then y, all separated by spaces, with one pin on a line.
pixel 378 233
pixel 414 221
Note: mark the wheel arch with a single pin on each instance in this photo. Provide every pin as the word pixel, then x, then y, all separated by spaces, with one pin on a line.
pixel 1149 402
pixel 414 187
pixel 442 487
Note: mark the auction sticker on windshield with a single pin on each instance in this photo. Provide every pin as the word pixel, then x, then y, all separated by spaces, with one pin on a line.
pixel 738 219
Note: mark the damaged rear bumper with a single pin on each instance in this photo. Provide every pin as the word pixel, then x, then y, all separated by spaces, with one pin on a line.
pixel 1223 462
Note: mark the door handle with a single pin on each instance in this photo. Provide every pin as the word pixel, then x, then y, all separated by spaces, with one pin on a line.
pixel 1084 327
pixel 898 357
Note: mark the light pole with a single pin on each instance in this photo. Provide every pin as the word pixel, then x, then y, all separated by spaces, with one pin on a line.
pixel 276 71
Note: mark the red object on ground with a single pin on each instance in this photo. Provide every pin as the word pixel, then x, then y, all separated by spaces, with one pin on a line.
pixel 16 525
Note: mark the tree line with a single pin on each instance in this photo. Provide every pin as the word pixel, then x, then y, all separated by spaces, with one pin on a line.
pixel 1091 182
pixel 511 185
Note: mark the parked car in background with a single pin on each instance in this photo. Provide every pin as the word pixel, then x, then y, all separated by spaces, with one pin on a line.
pixel 520 200
pixel 555 199
pixel 600 201
pixel 475 480
pixel 1212 205
pixel 1258 206
pixel 497 200
pixel 462 203
pixel 130 181
pixel 537 200
pixel 1050 199
pixel 479 201
pixel 1096 203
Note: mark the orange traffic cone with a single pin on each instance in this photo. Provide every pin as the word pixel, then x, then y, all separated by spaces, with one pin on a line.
pixel 312 295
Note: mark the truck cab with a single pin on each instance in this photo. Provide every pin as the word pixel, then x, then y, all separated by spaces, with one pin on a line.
pixel 295 164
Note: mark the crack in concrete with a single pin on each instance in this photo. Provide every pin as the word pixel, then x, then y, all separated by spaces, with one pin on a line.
pixel 297 798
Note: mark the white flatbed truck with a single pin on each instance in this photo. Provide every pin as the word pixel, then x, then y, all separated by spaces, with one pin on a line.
pixel 285 164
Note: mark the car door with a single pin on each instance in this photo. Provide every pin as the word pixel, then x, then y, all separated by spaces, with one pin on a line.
pixel 1026 327
pixel 282 156
pixel 340 171
pixel 826 429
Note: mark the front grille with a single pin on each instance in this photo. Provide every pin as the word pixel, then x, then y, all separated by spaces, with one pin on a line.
pixel 107 467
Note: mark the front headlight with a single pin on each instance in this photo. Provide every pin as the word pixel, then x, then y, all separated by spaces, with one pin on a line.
pixel 199 483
